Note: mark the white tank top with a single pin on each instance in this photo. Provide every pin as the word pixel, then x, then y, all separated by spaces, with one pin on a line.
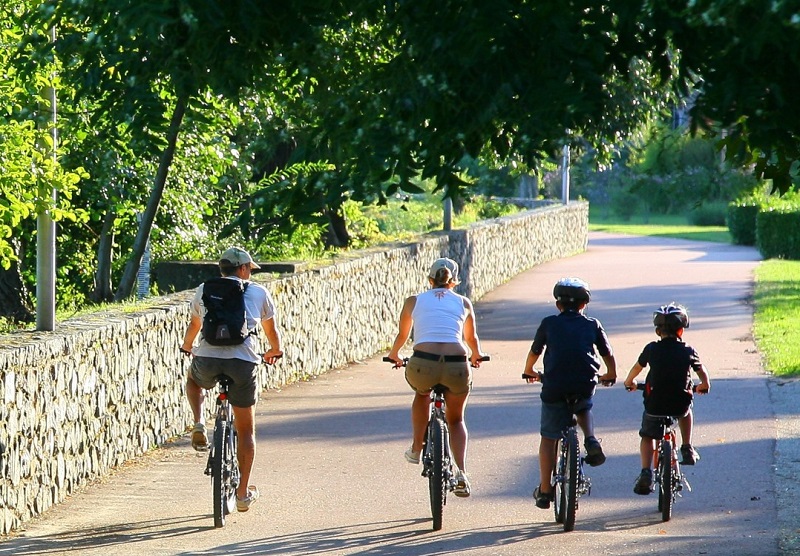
pixel 439 316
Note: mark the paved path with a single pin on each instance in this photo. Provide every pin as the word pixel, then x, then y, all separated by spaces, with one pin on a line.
pixel 334 481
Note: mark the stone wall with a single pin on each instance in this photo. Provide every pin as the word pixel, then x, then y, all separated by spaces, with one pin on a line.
pixel 104 389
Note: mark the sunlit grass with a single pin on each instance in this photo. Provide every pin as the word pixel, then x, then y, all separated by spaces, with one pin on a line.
pixel 777 313
pixel 659 226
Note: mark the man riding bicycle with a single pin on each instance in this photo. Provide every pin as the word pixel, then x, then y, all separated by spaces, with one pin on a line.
pixel 237 361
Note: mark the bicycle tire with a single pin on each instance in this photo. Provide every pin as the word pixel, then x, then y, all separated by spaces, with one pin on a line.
pixel 436 478
pixel 571 480
pixel 232 476
pixel 217 472
pixel 559 492
pixel 665 496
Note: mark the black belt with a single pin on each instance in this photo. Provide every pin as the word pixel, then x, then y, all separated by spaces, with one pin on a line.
pixel 436 357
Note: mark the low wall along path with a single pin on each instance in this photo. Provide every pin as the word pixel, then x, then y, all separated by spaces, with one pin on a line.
pixel 105 389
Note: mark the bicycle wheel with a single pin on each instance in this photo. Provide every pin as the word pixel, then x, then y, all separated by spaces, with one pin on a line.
pixel 231 466
pixel 665 498
pixel 571 480
pixel 559 492
pixel 217 472
pixel 436 478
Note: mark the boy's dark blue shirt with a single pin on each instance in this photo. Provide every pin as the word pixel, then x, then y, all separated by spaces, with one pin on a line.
pixel 574 343
pixel 668 383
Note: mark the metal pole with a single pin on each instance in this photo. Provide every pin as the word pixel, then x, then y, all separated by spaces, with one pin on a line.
pixel 565 176
pixel 46 233
pixel 448 214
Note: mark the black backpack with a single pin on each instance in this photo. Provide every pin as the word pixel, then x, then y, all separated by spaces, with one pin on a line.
pixel 225 321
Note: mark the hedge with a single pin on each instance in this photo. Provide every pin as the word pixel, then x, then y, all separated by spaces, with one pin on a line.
pixel 778 232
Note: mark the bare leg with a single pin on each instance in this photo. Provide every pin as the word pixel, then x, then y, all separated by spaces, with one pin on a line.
pixel 455 405
pixel 586 423
pixel 420 411
pixel 196 396
pixel 547 463
pixel 246 454
pixel 685 424
pixel 647 448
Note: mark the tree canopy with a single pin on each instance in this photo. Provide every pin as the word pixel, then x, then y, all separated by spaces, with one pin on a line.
pixel 249 117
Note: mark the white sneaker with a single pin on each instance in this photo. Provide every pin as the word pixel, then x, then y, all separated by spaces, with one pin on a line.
pixel 412 456
pixel 461 489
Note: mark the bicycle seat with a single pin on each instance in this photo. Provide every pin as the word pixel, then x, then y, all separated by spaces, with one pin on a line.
pixel 223 380
pixel 439 389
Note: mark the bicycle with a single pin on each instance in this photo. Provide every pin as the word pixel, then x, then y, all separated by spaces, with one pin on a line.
pixel 223 465
pixel 668 479
pixel 569 480
pixel 437 461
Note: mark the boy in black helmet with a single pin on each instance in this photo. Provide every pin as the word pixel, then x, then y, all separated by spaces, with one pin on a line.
pixel 573 343
pixel 668 388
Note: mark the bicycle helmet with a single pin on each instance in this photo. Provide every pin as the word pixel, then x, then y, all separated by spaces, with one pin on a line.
pixel 572 290
pixel 672 316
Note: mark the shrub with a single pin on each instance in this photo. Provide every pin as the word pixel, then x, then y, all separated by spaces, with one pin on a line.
pixel 741 220
pixel 778 232
pixel 708 214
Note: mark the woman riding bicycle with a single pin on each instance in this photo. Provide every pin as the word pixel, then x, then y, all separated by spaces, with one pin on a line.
pixel 444 327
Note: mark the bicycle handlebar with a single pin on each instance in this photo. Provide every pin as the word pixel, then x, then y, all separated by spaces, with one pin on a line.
pixel 641 386
pixel 405 360
pixel 538 378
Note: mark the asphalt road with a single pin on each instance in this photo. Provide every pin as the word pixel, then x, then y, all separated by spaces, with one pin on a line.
pixel 333 479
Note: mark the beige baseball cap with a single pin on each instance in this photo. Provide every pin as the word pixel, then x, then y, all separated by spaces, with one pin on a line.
pixel 439 264
pixel 236 256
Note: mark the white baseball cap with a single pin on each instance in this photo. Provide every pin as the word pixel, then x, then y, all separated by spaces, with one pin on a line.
pixel 236 256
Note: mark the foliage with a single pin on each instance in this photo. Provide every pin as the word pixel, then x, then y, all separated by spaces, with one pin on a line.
pixel 739 60
pixel 778 232
pixel 777 309
pixel 709 214
pixel 741 219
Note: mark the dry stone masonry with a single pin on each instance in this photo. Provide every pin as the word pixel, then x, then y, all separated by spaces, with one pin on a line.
pixel 105 389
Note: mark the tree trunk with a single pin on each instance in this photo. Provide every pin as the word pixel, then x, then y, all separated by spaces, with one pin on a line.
pixel 14 295
pixel 337 235
pixel 103 290
pixel 125 289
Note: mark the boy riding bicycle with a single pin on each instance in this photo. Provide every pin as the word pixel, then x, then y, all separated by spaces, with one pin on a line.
pixel 668 388
pixel 573 342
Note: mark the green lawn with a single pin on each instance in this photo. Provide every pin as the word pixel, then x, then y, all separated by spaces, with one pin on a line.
pixel 777 313
pixel 777 287
pixel 658 225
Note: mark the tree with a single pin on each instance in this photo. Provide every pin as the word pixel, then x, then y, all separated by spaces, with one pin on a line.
pixel 741 57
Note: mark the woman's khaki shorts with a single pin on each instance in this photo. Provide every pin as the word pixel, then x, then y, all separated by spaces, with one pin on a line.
pixel 422 375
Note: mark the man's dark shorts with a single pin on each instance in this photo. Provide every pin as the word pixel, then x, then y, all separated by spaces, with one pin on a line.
pixel 242 393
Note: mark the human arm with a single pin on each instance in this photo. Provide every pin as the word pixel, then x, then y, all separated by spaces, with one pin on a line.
pixel 632 374
pixel 705 381
pixel 471 335
pixel 191 333
pixel 274 338
pixel 610 377
pixel 530 361
pixel 405 325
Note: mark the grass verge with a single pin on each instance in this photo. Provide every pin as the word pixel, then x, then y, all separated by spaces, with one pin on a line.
pixel 658 226
pixel 777 308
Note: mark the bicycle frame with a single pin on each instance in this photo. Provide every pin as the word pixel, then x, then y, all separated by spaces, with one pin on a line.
pixel 569 480
pixel 668 478
pixel 222 465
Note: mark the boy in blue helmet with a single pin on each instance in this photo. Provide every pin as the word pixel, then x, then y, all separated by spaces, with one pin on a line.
pixel 573 345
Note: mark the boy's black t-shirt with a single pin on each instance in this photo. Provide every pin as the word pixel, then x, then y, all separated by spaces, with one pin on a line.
pixel 574 343
pixel 668 386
